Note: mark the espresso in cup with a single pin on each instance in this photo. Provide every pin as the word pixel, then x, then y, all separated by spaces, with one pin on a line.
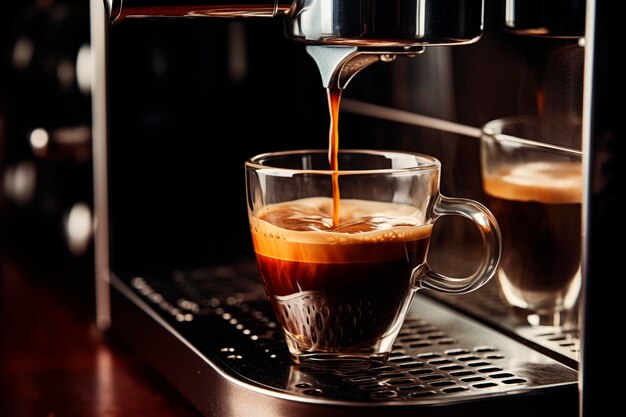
pixel 538 207
pixel 531 169
pixel 339 288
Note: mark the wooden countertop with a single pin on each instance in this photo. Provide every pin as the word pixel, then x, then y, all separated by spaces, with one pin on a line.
pixel 55 362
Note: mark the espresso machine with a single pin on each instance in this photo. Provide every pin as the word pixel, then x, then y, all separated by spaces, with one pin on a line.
pixel 185 91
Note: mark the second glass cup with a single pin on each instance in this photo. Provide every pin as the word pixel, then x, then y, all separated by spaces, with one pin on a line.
pixel 341 253
pixel 531 169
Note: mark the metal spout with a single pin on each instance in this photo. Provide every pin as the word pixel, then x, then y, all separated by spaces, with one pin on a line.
pixel 339 64
pixel 342 36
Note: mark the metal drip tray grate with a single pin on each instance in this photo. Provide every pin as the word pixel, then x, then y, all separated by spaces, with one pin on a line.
pixel 487 306
pixel 440 356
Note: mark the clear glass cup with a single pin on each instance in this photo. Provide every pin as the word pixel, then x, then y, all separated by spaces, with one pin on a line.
pixel 531 172
pixel 341 253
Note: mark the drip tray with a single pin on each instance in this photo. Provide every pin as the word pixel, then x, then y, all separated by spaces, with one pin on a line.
pixel 213 334
pixel 487 306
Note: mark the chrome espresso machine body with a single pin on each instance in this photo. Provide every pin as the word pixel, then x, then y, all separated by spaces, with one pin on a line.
pixel 183 91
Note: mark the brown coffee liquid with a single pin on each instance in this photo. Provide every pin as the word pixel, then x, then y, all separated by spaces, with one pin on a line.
pixel 334 100
pixel 338 286
pixel 538 207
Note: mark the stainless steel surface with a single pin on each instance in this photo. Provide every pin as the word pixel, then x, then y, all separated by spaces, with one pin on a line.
pixel 364 32
pixel 440 356
pixel 99 133
pixel 401 116
pixel 118 10
pixel 388 24
pixel 604 167
pixel 339 64
pixel 488 307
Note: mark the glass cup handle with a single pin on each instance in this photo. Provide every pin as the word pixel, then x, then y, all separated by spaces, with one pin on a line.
pixel 425 278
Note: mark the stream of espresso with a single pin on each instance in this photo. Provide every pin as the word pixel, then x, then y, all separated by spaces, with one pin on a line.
pixel 334 98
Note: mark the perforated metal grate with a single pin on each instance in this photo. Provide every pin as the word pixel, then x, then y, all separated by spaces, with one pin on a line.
pixel 488 306
pixel 438 356
pixel 436 371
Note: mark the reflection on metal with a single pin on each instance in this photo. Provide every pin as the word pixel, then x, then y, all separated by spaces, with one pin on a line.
pixel 395 115
pixel 487 306
pixel 339 64
pixel 343 36
pixel 99 128
pixel 440 357
pixel 84 70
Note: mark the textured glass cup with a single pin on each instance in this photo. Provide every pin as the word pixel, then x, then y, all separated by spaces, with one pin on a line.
pixel 341 253
pixel 532 179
